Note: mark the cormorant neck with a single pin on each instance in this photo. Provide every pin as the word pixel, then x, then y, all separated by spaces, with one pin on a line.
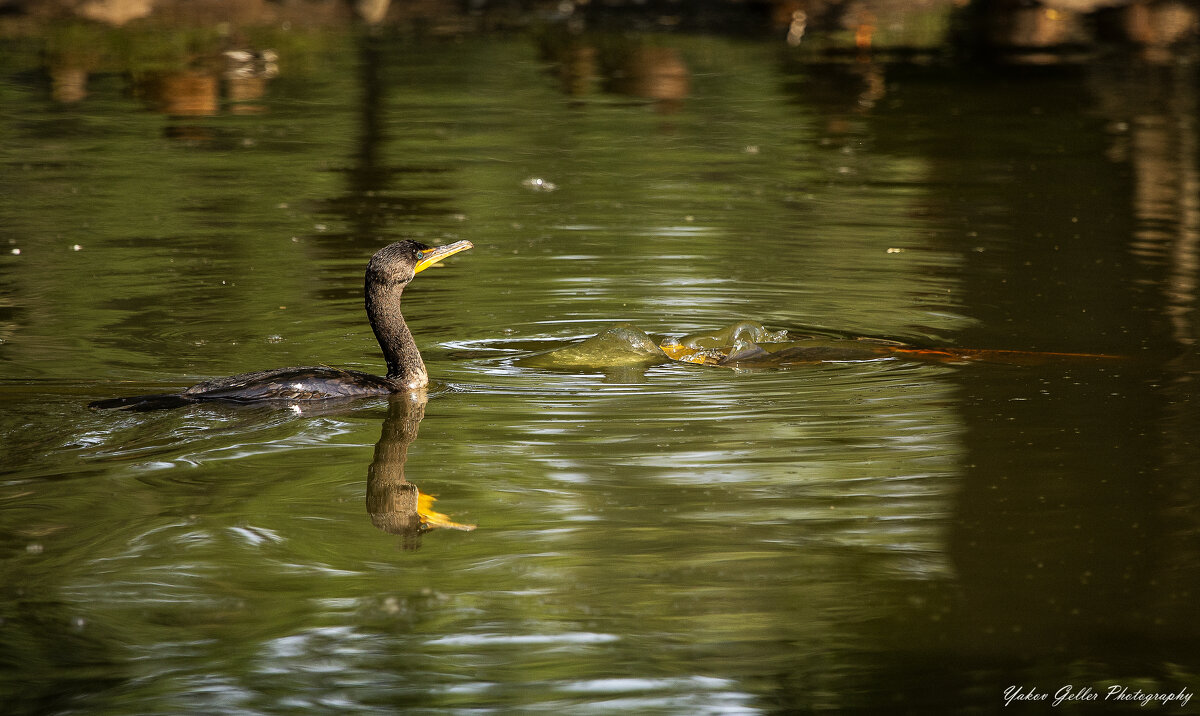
pixel 404 362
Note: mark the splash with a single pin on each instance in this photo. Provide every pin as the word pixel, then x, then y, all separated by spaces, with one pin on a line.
pixel 716 347
pixel 618 346
pixel 749 344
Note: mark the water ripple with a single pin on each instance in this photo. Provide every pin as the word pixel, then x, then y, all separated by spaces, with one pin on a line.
pixel 523 639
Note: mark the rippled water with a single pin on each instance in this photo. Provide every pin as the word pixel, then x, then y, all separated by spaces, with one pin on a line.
pixel 880 535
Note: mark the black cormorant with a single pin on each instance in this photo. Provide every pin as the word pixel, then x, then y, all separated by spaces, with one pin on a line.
pixel 389 271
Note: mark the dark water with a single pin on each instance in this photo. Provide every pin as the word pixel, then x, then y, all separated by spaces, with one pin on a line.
pixel 890 536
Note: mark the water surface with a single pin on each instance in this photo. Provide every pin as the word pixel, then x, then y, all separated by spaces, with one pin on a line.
pixel 889 534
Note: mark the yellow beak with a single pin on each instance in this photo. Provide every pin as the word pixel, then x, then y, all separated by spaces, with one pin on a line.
pixel 429 257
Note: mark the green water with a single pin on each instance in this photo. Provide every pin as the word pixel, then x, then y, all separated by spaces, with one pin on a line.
pixel 883 536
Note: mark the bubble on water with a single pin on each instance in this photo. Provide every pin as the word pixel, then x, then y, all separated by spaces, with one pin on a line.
pixel 539 184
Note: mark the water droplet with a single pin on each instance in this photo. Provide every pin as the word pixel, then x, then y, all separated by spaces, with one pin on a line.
pixel 539 184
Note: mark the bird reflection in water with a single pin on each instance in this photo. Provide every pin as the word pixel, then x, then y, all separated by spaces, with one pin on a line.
pixel 395 504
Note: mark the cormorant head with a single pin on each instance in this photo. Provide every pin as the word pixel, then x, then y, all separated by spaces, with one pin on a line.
pixel 397 263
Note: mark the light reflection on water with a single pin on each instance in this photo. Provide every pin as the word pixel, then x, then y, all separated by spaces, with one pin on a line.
pixel 677 538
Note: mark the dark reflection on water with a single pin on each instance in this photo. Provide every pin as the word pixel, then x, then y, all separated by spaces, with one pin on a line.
pixel 376 194
pixel 395 504
pixel 881 535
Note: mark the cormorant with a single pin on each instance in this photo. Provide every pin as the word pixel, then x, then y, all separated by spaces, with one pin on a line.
pixel 389 271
